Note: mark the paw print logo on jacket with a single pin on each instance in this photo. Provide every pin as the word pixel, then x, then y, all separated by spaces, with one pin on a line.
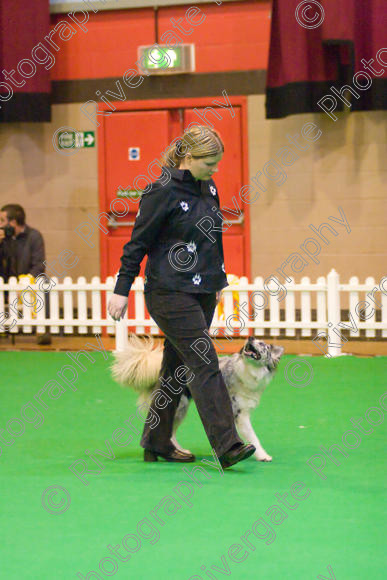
pixel 197 279
pixel 184 205
pixel 213 190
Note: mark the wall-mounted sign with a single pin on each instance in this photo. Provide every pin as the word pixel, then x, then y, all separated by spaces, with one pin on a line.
pixel 134 153
pixel 161 59
pixel 131 193
pixel 76 139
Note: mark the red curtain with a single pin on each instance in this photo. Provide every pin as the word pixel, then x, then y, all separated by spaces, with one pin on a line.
pixel 25 61
pixel 315 46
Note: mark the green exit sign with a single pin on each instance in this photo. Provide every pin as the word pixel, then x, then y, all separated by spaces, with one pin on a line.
pixel 76 139
pixel 162 59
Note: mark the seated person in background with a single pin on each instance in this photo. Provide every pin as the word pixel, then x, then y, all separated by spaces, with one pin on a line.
pixel 21 249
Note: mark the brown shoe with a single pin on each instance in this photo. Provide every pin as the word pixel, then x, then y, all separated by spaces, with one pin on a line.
pixel 239 453
pixel 43 339
pixel 175 455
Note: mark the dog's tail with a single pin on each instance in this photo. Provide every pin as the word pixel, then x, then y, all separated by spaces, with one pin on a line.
pixel 138 366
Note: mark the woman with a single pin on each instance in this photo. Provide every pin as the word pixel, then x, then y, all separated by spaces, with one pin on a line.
pixel 179 226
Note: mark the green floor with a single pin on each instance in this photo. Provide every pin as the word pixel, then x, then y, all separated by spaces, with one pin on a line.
pixel 337 532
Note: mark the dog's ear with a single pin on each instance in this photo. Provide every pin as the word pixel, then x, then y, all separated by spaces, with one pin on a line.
pixel 276 351
pixel 249 340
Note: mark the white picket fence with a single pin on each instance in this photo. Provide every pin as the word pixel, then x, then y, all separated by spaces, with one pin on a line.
pixel 80 305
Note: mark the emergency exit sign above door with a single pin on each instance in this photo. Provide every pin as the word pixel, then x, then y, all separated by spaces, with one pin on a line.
pixel 162 59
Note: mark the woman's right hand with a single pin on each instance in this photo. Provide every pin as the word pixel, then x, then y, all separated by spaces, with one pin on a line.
pixel 117 306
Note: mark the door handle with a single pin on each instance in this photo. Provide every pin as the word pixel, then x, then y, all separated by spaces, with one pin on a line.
pixel 238 220
pixel 114 224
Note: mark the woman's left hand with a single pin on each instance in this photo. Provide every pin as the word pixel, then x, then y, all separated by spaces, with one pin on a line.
pixel 117 306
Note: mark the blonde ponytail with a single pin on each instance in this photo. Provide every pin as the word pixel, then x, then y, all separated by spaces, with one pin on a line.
pixel 199 140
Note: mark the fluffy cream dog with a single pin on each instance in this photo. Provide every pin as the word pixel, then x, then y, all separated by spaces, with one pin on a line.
pixel 246 375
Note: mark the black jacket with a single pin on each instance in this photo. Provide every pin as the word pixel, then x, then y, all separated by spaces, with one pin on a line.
pixel 23 254
pixel 182 255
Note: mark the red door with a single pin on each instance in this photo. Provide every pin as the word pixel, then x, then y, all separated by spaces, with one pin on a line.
pixel 229 181
pixel 131 140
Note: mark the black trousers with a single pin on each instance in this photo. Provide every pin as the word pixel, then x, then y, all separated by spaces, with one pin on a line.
pixel 183 318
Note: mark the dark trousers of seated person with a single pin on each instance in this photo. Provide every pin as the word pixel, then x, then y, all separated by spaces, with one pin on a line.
pixel 183 318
